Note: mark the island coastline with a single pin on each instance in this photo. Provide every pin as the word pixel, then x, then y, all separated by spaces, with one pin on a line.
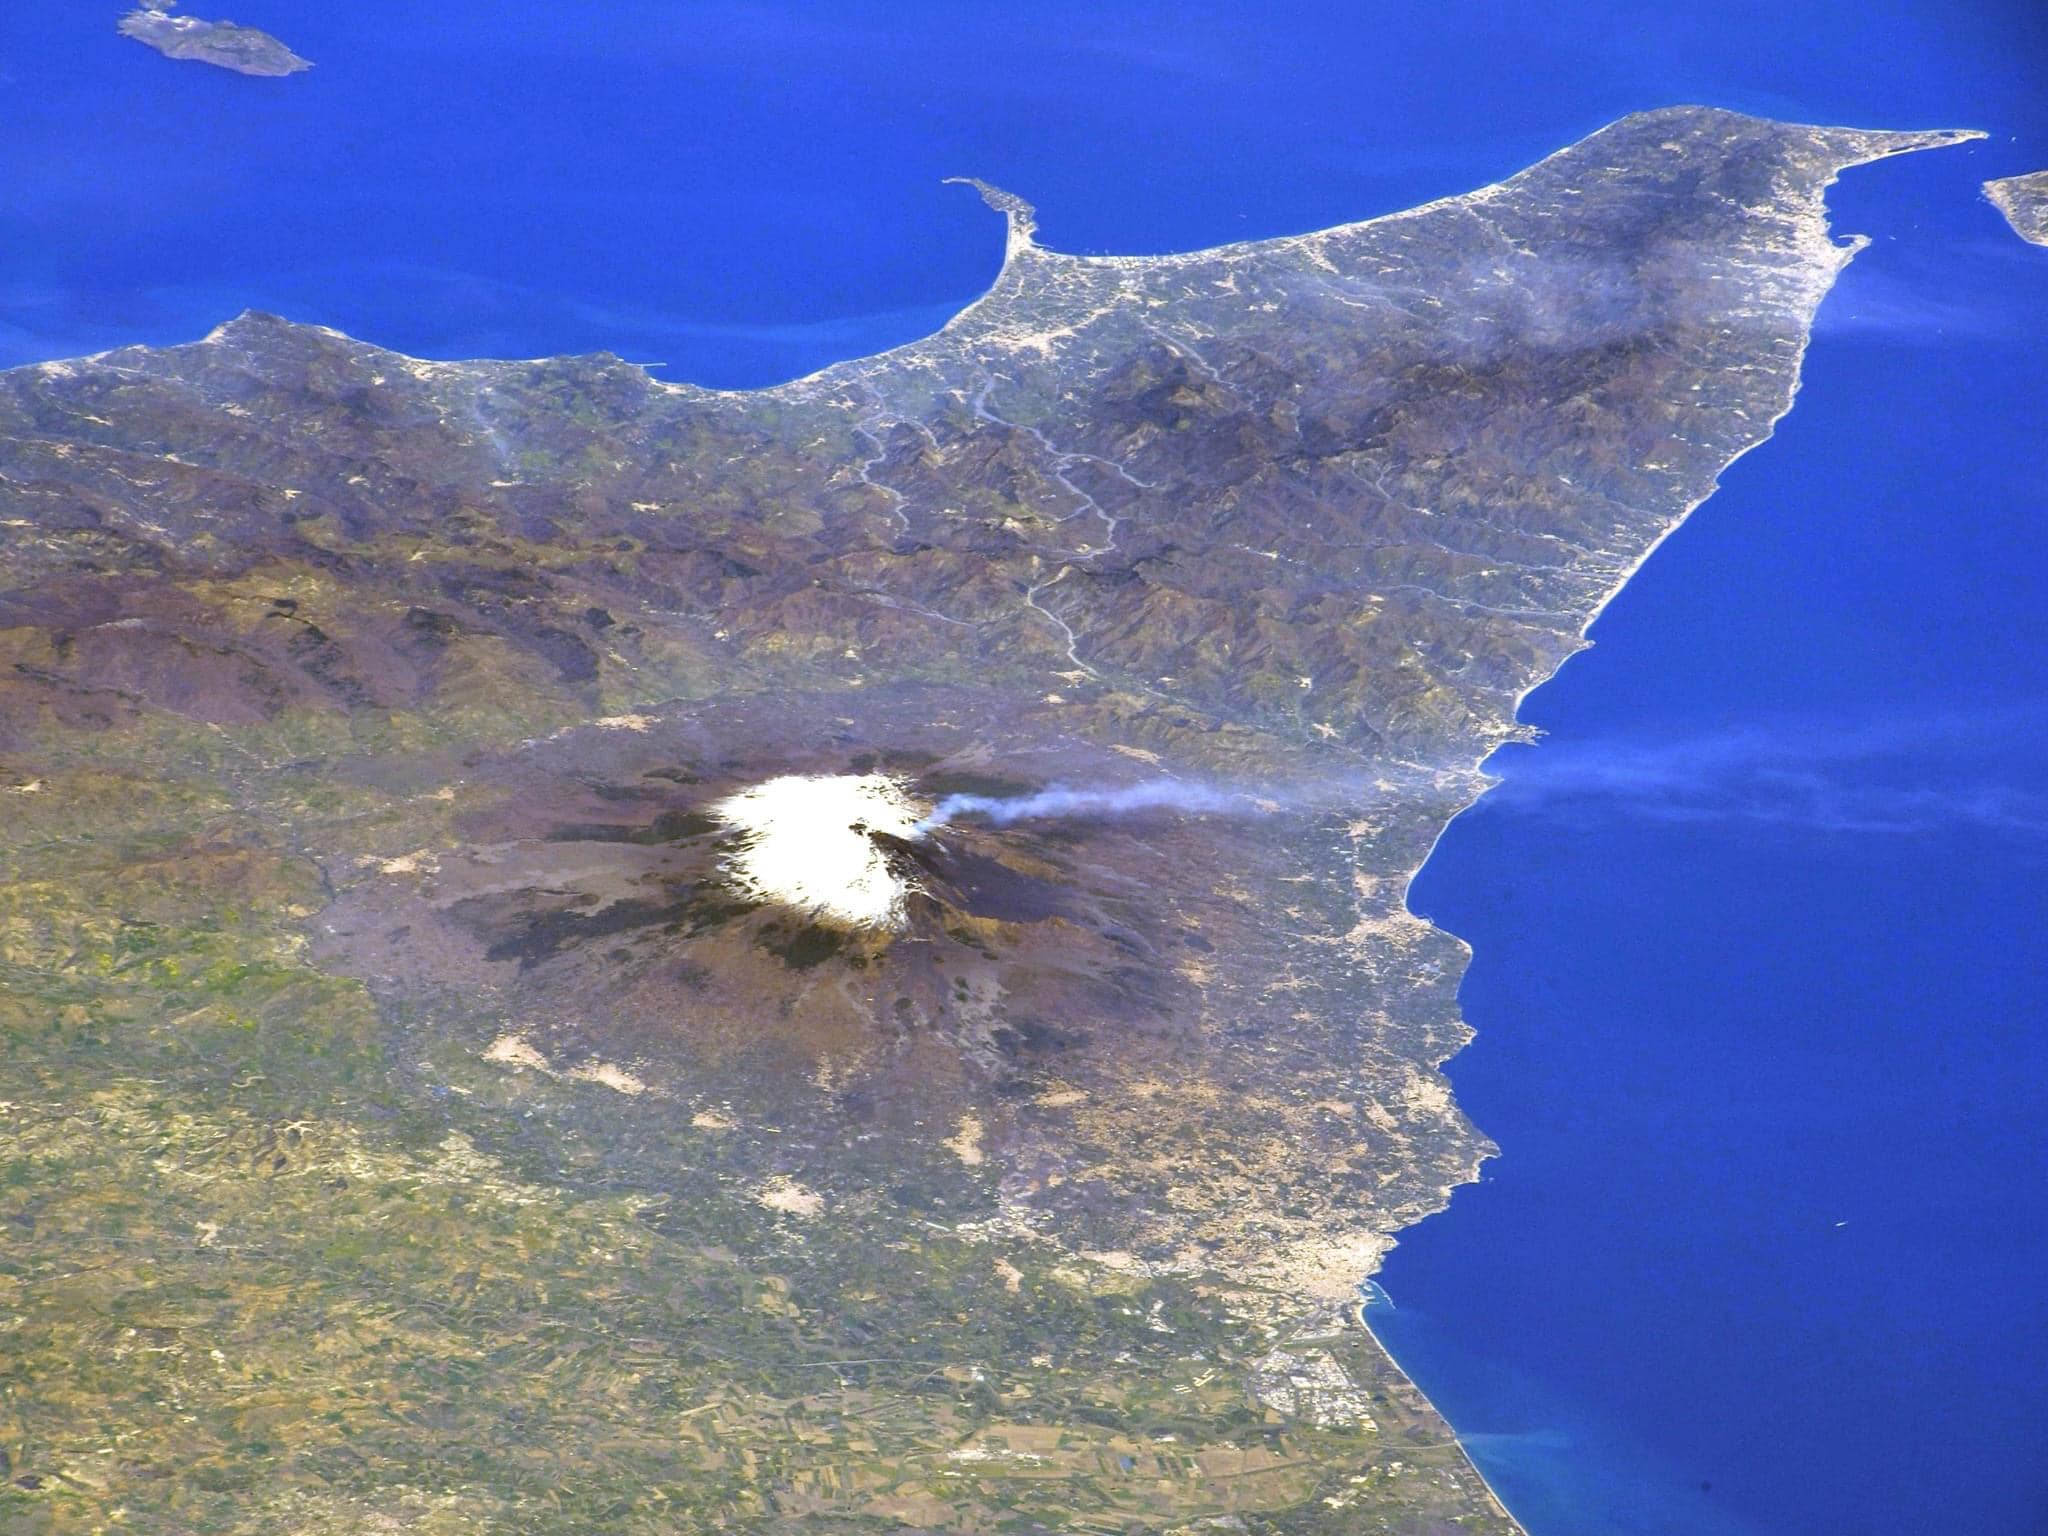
pixel 2023 200
pixel 224 44
pixel 1470 778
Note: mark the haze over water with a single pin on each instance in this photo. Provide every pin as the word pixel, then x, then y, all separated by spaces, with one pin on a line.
pixel 1755 928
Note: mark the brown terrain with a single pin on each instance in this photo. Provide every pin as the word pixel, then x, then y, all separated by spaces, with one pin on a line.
pixel 404 691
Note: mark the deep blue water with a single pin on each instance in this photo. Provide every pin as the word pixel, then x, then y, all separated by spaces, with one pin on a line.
pixel 1758 928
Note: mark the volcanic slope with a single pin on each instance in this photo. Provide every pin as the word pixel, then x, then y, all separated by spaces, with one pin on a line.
pixel 368 722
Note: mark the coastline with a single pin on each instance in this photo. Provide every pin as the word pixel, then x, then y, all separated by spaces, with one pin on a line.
pixel 1847 252
pixel 1847 249
pixel 1500 1505
pixel 1475 778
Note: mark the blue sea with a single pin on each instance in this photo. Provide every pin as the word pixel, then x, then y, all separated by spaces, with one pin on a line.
pixel 1758 926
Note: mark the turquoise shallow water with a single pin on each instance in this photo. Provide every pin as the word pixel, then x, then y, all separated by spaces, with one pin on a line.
pixel 1757 927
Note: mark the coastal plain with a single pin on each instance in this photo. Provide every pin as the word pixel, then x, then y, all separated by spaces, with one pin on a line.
pixel 413 1126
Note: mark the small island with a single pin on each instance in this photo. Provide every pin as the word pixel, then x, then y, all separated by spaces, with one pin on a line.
pixel 245 50
pixel 2024 202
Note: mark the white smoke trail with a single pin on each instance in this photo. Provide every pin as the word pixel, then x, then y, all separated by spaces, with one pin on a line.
pixel 1059 800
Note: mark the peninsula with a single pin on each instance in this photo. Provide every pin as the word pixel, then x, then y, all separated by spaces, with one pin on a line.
pixel 245 50
pixel 587 954
pixel 2024 202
